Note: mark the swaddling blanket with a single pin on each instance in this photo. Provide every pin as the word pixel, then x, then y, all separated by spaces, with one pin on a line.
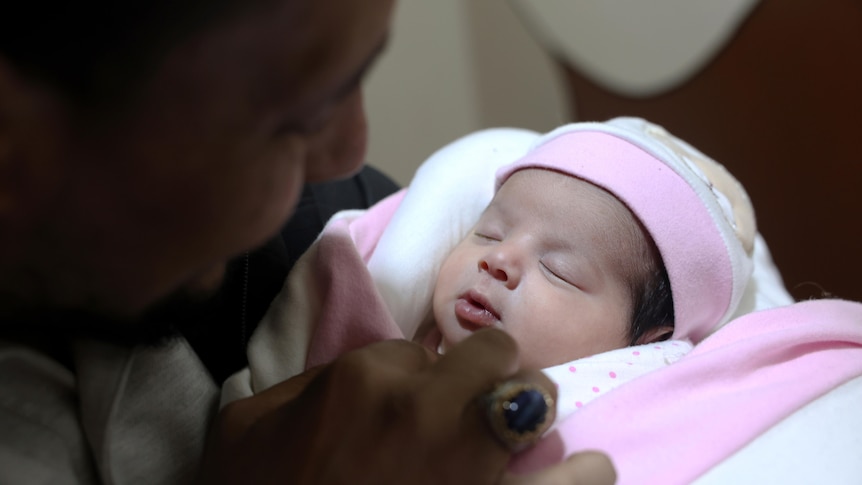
pixel 675 424
pixel 371 269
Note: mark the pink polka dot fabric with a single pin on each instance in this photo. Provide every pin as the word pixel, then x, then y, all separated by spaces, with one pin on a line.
pixel 673 425
pixel 583 380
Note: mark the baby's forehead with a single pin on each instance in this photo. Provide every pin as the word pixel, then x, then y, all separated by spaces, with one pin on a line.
pixel 569 192
pixel 570 206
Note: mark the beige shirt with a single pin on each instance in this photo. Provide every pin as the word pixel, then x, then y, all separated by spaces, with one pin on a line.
pixel 125 416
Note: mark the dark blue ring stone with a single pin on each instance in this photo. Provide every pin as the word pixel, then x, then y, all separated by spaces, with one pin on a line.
pixel 525 411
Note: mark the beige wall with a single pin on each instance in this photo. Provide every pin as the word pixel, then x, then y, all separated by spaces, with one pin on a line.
pixel 453 67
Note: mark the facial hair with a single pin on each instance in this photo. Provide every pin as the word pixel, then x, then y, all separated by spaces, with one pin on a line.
pixel 183 310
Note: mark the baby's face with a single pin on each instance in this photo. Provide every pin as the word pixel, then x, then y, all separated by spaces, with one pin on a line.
pixel 546 263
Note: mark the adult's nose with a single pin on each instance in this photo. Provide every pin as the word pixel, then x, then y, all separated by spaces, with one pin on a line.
pixel 338 149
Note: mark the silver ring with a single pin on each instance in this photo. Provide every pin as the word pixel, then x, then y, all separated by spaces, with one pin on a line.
pixel 519 413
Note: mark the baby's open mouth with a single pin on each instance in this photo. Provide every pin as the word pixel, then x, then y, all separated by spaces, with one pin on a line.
pixel 474 311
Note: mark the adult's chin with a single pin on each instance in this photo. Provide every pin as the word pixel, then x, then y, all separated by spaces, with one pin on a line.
pixel 183 309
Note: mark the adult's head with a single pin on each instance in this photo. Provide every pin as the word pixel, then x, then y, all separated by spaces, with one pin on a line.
pixel 144 143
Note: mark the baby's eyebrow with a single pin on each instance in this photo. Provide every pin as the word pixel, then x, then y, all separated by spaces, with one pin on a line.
pixel 493 209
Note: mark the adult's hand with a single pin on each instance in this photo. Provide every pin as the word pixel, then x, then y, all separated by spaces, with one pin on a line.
pixel 392 412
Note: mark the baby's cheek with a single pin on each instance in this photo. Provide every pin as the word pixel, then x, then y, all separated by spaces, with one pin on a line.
pixel 535 355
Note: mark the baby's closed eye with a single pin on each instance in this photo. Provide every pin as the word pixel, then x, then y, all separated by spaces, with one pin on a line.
pixel 486 237
pixel 562 271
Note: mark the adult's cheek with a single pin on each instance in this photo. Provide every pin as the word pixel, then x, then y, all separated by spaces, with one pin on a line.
pixel 338 150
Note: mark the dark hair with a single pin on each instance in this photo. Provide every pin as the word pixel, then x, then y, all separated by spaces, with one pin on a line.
pixel 652 303
pixel 649 287
pixel 94 52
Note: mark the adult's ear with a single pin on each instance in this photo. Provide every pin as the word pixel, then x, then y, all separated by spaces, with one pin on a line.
pixel 6 98
pixel 32 132
pixel 655 335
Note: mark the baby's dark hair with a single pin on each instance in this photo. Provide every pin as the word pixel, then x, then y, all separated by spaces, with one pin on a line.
pixel 650 291
pixel 639 263
pixel 641 266
pixel 652 305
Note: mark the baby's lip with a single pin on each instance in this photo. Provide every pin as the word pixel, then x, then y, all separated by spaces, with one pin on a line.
pixel 474 311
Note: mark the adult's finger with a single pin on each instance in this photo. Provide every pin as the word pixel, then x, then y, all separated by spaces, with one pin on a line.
pixel 455 399
pixel 586 468
pixel 239 415
pixel 289 389
pixel 337 420
pixel 485 360
pixel 388 355
pixel 483 368
pixel 385 412
pixel 477 364
pixel 390 358
pixel 418 416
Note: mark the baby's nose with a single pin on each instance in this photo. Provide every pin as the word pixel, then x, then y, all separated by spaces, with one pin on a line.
pixel 501 266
